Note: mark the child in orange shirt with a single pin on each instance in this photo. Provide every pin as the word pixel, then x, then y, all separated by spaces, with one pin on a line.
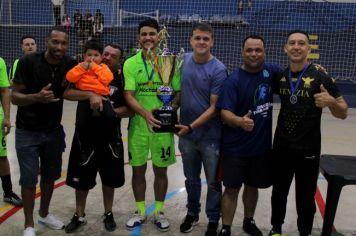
pixel 92 75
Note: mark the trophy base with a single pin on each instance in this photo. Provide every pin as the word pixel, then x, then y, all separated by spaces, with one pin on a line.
pixel 168 120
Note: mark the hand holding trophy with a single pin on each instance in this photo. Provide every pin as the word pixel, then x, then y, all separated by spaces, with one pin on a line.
pixel 167 64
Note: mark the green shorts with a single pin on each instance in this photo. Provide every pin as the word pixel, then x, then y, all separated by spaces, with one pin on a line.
pixel 161 146
pixel 3 150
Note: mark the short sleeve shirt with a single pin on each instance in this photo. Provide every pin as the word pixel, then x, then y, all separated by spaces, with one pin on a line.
pixel 298 125
pixel 34 72
pixel 243 92
pixel 199 82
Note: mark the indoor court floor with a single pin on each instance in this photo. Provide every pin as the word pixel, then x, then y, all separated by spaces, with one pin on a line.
pixel 338 137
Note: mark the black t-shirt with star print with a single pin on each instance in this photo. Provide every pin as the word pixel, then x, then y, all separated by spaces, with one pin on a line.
pixel 298 125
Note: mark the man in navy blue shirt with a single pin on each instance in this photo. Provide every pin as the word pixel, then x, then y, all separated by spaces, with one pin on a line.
pixel 246 111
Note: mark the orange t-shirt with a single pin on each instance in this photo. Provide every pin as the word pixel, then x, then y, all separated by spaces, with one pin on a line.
pixel 97 79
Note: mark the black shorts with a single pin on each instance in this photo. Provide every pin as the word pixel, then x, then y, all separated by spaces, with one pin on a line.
pixel 111 169
pixel 253 171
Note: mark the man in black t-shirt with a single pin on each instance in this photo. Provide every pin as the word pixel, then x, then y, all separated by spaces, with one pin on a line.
pixel 304 89
pixel 108 162
pixel 37 90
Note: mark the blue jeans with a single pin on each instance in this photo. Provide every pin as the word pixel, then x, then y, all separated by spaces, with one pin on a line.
pixel 196 154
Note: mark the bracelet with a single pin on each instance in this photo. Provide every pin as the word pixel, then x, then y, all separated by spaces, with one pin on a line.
pixel 190 129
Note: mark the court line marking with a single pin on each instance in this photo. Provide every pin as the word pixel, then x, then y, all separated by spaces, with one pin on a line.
pixel 318 198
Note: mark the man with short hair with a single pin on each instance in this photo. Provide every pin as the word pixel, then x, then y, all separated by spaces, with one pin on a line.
pixel 246 110
pixel 37 90
pixel 200 128
pixel 141 83
pixel 111 169
pixel 304 89
pixel 28 45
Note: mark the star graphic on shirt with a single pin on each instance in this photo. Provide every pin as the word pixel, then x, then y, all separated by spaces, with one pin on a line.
pixel 307 82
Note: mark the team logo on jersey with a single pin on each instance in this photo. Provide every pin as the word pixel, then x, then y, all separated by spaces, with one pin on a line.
pixel 261 100
pixel 283 79
pixel 307 82
pixel 265 73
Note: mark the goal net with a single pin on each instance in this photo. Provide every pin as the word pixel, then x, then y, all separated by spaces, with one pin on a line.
pixel 331 25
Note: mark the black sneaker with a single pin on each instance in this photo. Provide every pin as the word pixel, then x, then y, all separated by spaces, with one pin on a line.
pixel 75 223
pixel 109 222
pixel 250 227
pixel 189 223
pixel 224 232
pixel 212 229
pixel 13 199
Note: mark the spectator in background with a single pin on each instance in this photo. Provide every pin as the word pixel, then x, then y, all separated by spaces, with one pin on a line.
pixel 99 16
pixel 98 29
pixel 57 7
pixel 28 45
pixel 78 26
pixel 88 25
pixel 66 22
pixel 9 195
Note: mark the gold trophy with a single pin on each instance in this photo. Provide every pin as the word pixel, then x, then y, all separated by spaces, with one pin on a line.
pixel 167 64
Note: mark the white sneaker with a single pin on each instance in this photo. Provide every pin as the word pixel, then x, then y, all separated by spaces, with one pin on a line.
pixel 161 222
pixel 136 221
pixel 51 221
pixel 29 231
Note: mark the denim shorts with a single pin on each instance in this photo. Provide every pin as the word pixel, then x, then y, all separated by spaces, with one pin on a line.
pixel 39 150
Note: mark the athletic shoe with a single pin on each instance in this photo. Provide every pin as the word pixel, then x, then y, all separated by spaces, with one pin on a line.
pixel 188 223
pixel 13 199
pixel 212 229
pixel 51 222
pixel 109 222
pixel 136 221
pixel 29 231
pixel 250 227
pixel 75 223
pixel 224 232
pixel 161 222
pixel 274 233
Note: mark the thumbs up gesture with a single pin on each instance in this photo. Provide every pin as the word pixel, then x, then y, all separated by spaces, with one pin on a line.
pixel 46 95
pixel 323 99
pixel 247 123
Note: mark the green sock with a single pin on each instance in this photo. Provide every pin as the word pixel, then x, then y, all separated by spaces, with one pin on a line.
pixel 141 207
pixel 158 207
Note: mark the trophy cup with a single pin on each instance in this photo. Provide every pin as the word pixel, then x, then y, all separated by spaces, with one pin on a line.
pixel 167 64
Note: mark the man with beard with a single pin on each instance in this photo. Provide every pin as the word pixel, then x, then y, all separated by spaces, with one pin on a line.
pixel 141 83
pixel 37 90
pixel 111 169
